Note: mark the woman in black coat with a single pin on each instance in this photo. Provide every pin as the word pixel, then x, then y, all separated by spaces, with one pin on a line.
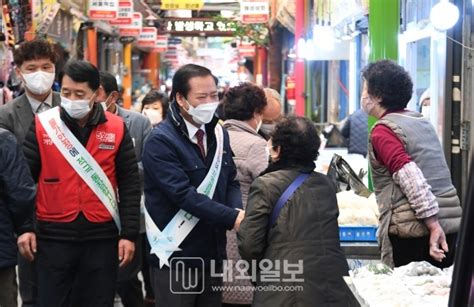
pixel 302 244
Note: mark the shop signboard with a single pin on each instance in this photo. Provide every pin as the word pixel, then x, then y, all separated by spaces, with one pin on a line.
pixel 103 9
pixel 181 4
pixel 125 14
pixel 161 44
pixel 254 11
pixel 61 29
pixel 197 27
pixel 147 37
pixel 47 18
pixel 135 28
pixel 247 50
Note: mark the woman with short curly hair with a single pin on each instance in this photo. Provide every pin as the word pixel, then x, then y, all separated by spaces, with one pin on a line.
pixel 242 107
pixel 298 229
pixel 419 208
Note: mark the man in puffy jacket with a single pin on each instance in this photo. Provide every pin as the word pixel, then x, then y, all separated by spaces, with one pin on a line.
pixel 188 165
pixel 17 202
pixel 88 201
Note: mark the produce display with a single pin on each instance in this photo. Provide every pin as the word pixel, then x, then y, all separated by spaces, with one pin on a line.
pixel 416 284
pixel 355 210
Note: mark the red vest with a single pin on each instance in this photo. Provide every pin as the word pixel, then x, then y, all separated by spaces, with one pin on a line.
pixel 62 193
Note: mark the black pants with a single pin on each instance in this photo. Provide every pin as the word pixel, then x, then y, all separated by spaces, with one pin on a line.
pixel 129 287
pixel 8 287
pixel 418 249
pixel 169 289
pixel 28 282
pixel 77 273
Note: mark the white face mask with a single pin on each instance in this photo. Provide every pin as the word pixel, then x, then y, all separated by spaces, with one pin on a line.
pixel 267 129
pixel 77 109
pixel 203 113
pixel 425 111
pixel 104 105
pixel 259 123
pixel 39 82
pixel 154 116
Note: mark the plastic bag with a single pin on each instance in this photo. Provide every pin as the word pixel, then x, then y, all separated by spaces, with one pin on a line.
pixel 344 177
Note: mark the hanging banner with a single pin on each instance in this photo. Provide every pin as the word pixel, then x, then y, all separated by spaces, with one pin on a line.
pixel 47 18
pixel 147 37
pixel 161 44
pixel 181 4
pixel 103 9
pixel 254 11
pixel 125 14
pixel 246 50
pixel 135 28
pixel 197 27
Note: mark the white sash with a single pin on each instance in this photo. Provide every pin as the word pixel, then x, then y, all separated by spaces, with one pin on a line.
pixel 164 243
pixel 80 160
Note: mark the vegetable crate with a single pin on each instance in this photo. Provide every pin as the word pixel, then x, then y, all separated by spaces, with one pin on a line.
pixel 358 233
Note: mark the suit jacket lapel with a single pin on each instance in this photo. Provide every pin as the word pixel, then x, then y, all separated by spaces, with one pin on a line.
pixel 56 99
pixel 24 113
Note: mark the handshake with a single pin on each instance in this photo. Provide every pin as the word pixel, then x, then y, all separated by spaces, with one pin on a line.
pixel 239 219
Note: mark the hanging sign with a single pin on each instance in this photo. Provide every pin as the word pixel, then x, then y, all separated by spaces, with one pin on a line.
pixel 103 9
pixel 125 14
pixel 147 37
pixel 161 44
pixel 254 11
pixel 197 27
pixel 135 28
pixel 246 50
pixel 181 4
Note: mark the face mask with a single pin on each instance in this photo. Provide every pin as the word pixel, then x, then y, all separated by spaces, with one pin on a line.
pixel 259 124
pixel 203 113
pixel 104 105
pixel 39 82
pixel 425 111
pixel 267 129
pixel 367 104
pixel 77 109
pixel 154 116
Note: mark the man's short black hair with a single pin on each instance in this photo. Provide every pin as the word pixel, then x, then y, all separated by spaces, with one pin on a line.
pixel 298 140
pixel 34 50
pixel 108 82
pixel 242 101
pixel 390 82
pixel 156 96
pixel 81 72
pixel 183 75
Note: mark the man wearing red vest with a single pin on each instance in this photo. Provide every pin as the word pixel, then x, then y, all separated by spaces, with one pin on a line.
pixel 88 196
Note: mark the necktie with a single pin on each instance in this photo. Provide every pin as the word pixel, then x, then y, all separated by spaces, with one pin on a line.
pixel 200 141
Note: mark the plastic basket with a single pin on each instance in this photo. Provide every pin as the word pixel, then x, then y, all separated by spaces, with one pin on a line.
pixel 358 233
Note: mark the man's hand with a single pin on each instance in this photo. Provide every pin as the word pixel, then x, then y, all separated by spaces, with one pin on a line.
pixel 438 244
pixel 27 245
pixel 126 250
pixel 239 219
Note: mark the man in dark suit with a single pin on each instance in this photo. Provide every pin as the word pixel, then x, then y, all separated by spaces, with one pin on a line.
pixel 129 286
pixel 34 62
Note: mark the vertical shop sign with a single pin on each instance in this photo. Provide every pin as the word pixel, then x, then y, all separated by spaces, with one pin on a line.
pixel 147 37
pixel 161 44
pixel 134 29
pixel 103 9
pixel 125 14
pixel 254 11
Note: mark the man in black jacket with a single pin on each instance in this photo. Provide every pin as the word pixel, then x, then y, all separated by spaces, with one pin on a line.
pixel 79 220
pixel 17 202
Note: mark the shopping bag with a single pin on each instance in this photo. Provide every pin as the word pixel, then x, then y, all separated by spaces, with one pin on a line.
pixel 344 177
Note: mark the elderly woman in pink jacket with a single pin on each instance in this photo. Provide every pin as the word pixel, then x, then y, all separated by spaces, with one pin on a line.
pixel 243 106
